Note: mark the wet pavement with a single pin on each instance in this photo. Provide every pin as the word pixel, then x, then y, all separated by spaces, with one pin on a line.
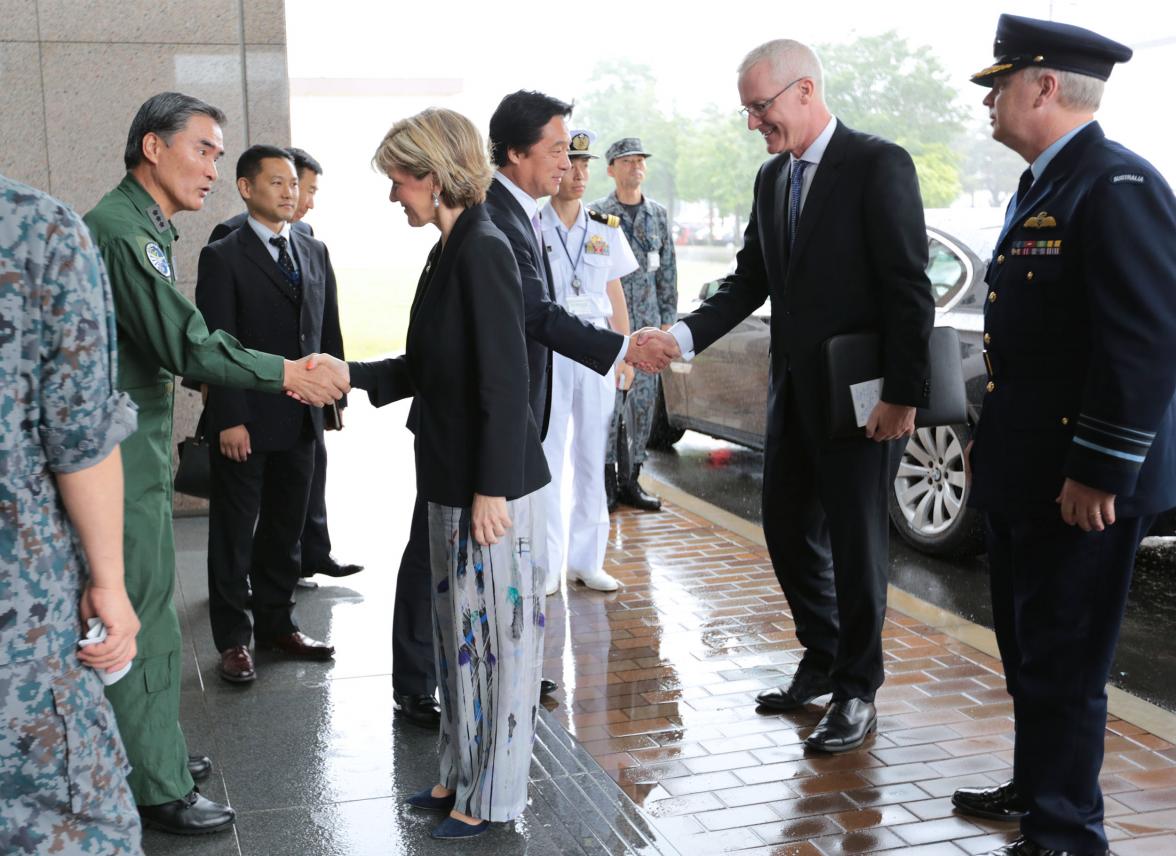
pixel 730 477
pixel 651 745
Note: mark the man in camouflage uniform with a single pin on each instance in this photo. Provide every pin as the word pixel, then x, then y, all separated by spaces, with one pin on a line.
pixel 63 785
pixel 172 149
pixel 651 293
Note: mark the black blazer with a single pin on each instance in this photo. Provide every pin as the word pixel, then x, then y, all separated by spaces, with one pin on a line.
pixel 465 362
pixel 550 327
pixel 859 264
pixel 241 289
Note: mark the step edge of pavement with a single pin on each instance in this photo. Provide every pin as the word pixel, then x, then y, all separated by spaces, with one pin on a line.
pixel 1120 703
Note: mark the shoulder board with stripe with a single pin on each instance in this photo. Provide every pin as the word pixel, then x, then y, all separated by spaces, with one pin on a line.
pixel 607 219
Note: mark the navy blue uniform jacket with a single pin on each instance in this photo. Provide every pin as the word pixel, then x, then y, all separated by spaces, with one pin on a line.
pixel 1080 328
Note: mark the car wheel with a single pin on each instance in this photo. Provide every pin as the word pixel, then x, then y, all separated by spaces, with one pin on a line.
pixel 928 504
pixel 662 435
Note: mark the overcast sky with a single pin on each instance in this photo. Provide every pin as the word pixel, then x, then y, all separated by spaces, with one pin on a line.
pixel 462 55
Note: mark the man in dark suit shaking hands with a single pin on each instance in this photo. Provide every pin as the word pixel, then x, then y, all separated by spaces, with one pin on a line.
pixel 274 291
pixel 836 239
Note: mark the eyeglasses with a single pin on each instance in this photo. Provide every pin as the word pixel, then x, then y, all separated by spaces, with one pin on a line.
pixel 761 107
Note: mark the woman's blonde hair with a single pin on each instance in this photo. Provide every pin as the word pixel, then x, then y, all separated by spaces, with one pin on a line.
pixel 444 144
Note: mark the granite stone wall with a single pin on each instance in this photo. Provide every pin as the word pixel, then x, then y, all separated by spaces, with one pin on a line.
pixel 73 73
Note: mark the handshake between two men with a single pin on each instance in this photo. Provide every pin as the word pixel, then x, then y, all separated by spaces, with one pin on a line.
pixel 651 350
pixel 316 379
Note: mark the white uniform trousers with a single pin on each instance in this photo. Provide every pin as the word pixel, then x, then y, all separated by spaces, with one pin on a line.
pixel 584 398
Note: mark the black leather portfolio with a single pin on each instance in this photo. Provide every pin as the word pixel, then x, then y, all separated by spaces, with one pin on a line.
pixel 856 358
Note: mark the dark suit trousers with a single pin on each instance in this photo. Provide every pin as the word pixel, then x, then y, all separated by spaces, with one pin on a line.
pixel 827 530
pixel 270 490
pixel 1058 596
pixel 316 540
pixel 414 669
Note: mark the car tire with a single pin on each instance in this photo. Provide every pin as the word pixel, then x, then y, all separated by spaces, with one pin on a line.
pixel 662 435
pixel 929 498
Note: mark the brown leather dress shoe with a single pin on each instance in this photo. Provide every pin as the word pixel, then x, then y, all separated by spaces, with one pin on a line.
pixel 298 644
pixel 236 665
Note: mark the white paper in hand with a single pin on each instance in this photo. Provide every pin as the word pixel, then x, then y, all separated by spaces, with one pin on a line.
pixel 866 396
pixel 95 634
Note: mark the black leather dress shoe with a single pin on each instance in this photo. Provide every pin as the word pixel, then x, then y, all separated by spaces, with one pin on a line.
pixel 298 644
pixel 1001 802
pixel 805 686
pixel 1025 847
pixel 845 726
pixel 199 766
pixel 332 569
pixel 193 814
pixel 422 710
pixel 547 686
pixel 632 494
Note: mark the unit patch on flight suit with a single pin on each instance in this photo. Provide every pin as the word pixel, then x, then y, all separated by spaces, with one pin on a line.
pixel 158 258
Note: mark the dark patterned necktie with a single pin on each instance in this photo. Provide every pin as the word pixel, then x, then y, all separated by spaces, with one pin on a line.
pixel 287 265
pixel 797 181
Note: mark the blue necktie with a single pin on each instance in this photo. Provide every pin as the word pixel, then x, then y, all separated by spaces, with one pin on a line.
pixel 1023 187
pixel 796 182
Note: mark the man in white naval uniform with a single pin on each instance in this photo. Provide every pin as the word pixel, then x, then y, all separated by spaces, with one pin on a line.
pixel 589 254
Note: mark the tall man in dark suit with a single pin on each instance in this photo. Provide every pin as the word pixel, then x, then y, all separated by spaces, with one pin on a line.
pixel 316 538
pixel 273 292
pixel 1075 452
pixel 529 143
pixel 836 240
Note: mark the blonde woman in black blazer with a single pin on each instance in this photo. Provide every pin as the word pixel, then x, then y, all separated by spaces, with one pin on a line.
pixel 479 462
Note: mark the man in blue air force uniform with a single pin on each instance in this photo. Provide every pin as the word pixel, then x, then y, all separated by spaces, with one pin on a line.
pixel 1076 450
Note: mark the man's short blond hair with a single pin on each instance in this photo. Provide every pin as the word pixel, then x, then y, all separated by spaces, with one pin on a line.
pixel 789 60
pixel 444 144
pixel 1078 92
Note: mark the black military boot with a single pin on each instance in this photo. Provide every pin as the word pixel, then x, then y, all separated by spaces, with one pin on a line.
pixel 610 486
pixel 631 493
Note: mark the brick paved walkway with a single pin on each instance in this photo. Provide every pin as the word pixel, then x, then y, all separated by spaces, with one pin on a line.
pixel 659 688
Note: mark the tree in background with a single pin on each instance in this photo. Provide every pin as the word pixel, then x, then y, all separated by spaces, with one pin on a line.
pixel 717 162
pixel 989 169
pixel 623 102
pixel 882 85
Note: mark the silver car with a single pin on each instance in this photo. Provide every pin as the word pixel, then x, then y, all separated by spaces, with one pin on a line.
pixel 723 391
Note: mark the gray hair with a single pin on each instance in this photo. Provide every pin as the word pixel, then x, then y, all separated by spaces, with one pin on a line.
pixel 789 60
pixel 1079 92
pixel 164 115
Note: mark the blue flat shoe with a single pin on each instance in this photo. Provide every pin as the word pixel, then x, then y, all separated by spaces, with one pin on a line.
pixel 427 802
pixel 450 828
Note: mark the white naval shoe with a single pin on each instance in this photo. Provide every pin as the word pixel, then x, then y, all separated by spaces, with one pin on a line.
pixel 598 580
pixel 553 584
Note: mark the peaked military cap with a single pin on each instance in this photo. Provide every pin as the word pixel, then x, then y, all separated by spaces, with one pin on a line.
pixel 1023 42
pixel 624 147
pixel 581 140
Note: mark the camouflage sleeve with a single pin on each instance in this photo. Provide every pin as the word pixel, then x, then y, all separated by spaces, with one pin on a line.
pixel 168 326
pixel 667 272
pixel 82 417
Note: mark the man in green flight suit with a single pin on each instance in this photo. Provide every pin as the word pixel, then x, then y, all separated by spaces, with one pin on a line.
pixel 172 149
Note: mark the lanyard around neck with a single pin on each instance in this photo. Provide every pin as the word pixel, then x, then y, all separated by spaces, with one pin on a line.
pixel 575 263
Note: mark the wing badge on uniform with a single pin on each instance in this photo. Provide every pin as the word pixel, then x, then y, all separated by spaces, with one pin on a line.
pixel 158 258
pixel 597 246
pixel 1041 220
